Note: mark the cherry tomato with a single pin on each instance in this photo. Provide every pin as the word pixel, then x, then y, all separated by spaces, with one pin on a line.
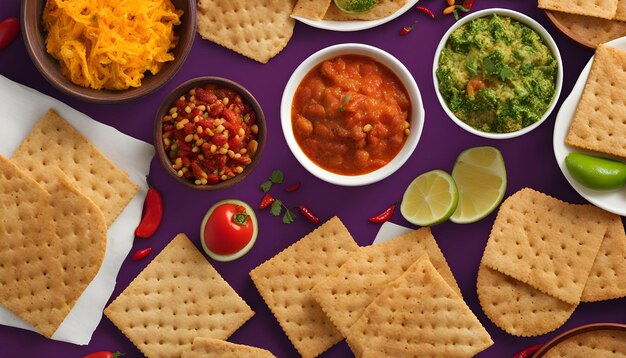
pixel 228 227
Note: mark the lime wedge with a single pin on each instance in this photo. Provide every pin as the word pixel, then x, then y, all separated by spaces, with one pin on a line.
pixel 430 199
pixel 480 176
pixel 355 6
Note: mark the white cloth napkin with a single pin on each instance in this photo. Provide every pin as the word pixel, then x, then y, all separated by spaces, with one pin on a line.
pixel 22 107
pixel 390 230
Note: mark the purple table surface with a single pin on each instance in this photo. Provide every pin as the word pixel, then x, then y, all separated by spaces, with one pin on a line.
pixel 529 159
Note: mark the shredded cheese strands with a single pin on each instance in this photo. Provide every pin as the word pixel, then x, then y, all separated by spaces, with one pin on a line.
pixel 110 43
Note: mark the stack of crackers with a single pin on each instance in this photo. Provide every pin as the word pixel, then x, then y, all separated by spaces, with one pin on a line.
pixel 261 29
pixel 394 299
pixel 180 305
pixel 544 257
pixel 591 22
pixel 599 123
pixel 58 195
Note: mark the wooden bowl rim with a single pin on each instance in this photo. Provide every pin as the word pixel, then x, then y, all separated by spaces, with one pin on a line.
pixel 576 331
pixel 34 41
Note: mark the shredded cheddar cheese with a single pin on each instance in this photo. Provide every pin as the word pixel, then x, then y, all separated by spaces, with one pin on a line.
pixel 110 43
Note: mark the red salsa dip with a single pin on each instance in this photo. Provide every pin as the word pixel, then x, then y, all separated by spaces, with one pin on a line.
pixel 350 115
pixel 210 134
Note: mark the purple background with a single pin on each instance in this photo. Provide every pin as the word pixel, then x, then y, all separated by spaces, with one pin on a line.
pixel 529 160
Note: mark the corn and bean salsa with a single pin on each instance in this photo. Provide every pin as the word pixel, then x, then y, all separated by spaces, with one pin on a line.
pixel 350 115
pixel 210 134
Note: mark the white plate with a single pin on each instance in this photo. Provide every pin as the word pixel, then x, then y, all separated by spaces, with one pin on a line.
pixel 613 200
pixel 354 25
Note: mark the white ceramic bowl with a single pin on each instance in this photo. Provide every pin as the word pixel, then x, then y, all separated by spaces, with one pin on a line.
pixel 530 23
pixel 378 55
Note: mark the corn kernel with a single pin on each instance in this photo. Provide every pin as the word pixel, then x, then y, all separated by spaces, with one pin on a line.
pixel 223 150
pixel 224 177
pixel 198 182
pixel 199 142
pixel 237 155
pixel 225 100
pixel 199 129
pixel 202 107
pixel 231 154
pixel 172 110
pixel 167 142
pixel 187 109
pixel 201 156
pixel 180 173
pixel 195 149
pixel 175 115
pixel 241 132
pixel 219 129
pixel 203 181
pixel 189 138
pixel 407 132
pixel 213 148
pixel 239 169
pixel 254 128
pixel 367 128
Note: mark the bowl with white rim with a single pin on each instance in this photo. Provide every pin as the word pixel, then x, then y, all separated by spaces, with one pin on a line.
pixel 416 115
pixel 547 39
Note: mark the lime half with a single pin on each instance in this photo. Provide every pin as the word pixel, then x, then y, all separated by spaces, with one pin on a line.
pixel 480 176
pixel 430 198
pixel 355 6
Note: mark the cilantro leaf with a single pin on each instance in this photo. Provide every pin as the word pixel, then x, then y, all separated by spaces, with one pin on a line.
pixel 288 218
pixel 276 177
pixel 266 186
pixel 276 208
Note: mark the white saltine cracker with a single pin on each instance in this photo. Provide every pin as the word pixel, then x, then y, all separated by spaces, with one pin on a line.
pixel 179 296
pixel 54 142
pixel 31 275
pixel 599 123
pixel 546 243
pixel 81 233
pixel 204 347
pixel 257 29
pixel 418 315
pixel 607 279
pixel 346 293
pixel 285 282
pixel 516 307
pixel 605 9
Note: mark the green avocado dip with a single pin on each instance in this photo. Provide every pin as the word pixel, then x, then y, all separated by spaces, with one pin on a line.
pixel 497 75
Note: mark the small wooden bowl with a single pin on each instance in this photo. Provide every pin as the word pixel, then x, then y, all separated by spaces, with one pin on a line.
pixel 35 41
pixel 183 89
pixel 576 331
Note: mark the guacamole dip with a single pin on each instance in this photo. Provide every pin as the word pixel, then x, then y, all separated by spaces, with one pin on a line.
pixel 497 75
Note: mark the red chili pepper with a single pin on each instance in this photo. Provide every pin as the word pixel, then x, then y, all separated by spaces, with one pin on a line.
pixel 153 215
pixel 405 30
pixel 307 213
pixel 384 216
pixel 266 201
pixel 293 187
pixel 104 354
pixel 9 29
pixel 425 11
pixel 140 254
pixel 468 3
pixel 528 352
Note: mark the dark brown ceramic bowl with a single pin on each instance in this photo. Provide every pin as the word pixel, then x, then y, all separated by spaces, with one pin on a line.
pixel 34 38
pixel 183 89
pixel 576 331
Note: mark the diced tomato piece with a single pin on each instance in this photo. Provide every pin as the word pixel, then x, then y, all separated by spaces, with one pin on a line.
pixel 219 140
